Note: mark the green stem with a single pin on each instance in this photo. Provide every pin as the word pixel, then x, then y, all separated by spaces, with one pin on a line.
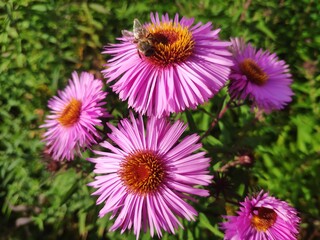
pixel 216 120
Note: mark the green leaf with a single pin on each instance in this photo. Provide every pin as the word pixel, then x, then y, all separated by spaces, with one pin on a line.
pixel 213 141
pixel 98 8
pixel 205 223
pixel 263 28
pixel 304 132
pixel 39 7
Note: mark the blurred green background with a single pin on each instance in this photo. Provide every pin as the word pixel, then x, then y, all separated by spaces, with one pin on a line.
pixel 42 42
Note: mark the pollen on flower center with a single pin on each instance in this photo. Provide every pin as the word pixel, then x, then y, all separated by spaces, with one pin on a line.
pixel 142 172
pixel 172 43
pixel 253 72
pixel 71 113
pixel 264 219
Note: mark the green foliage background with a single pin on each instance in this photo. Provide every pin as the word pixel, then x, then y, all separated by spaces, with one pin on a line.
pixel 42 42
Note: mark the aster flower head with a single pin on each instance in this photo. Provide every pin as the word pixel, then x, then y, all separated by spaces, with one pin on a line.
pixel 146 175
pixel 262 217
pixel 168 65
pixel 74 113
pixel 259 76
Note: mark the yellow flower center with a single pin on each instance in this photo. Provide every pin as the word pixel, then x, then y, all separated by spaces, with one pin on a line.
pixel 142 172
pixel 264 219
pixel 71 113
pixel 253 72
pixel 172 43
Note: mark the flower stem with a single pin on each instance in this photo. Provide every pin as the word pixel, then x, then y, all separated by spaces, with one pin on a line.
pixel 225 167
pixel 216 120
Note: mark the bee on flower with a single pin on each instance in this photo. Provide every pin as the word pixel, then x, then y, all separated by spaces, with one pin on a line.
pixel 168 65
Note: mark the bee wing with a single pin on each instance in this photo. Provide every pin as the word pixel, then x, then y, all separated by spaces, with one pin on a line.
pixel 138 30
pixel 136 24
pixel 127 34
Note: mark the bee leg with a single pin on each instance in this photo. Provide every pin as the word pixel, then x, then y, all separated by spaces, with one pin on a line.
pixel 139 54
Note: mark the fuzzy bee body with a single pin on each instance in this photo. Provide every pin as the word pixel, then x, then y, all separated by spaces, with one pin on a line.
pixel 142 38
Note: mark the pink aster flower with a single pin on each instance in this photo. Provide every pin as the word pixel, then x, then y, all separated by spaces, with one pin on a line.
pixel 262 218
pixel 260 77
pixel 168 65
pixel 74 114
pixel 146 175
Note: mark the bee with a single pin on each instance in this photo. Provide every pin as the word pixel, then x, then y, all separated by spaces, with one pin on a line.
pixel 142 37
